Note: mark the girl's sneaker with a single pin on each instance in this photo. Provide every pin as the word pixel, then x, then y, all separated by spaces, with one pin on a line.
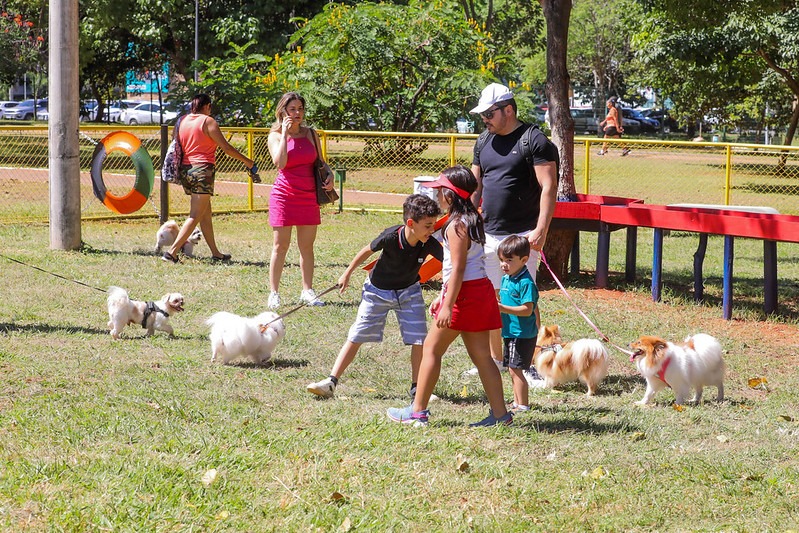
pixel 405 415
pixel 491 420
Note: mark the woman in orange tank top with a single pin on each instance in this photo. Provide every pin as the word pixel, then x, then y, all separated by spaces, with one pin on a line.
pixel 612 126
pixel 199 136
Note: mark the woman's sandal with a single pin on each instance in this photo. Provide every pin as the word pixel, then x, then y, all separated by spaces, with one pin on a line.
pixel 169 257
pixel 223 257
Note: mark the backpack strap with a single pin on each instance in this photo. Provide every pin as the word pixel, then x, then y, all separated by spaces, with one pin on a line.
pixel 482 139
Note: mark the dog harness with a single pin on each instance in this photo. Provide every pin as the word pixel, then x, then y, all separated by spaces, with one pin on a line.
pixel 149 310
pixel 661 374
pixel 551 348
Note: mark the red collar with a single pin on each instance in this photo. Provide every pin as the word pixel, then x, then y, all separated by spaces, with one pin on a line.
pixel 661 374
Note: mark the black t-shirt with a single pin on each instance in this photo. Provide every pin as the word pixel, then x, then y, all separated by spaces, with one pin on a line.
pixel 398 266
pixel 511 193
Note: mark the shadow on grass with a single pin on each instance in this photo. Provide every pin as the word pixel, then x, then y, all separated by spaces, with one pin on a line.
pixel 8 328
pixel 274 364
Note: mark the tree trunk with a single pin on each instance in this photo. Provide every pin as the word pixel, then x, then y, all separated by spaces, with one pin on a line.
pixel 789 135
pixel 557 13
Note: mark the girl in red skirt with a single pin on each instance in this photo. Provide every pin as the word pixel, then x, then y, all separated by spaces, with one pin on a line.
pixel 467 305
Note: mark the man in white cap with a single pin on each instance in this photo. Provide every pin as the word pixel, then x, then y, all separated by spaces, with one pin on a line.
pixel 516 167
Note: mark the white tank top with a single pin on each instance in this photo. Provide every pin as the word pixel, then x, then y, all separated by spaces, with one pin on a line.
pixel 475 262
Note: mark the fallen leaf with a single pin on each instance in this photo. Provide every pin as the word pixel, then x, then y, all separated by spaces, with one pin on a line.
pixel 463 464
pixel 222 515
pixel 369 389
pixel 722 438
pixel 678 407
pixel 464 392
pixel 346 525
pixel 787 418
pixel 337 497
pixel 599 473
pixel 757 382
pixel 638 435
pixel 209 477
pixel 154 405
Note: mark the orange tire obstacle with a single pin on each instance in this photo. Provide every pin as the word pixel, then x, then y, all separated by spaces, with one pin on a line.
pixel 132 147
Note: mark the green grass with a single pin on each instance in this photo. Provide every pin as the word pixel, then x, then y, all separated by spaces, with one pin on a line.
pixel 97 434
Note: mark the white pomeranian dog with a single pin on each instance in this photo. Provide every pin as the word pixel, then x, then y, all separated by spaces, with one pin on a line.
pixel 167 234
pixel 235 336
pixel 150 315
pixel 693 364
pixel 585 360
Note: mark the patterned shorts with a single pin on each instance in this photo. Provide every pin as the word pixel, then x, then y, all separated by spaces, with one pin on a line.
pixel 407 304
pixel 518 353
pixel 198 178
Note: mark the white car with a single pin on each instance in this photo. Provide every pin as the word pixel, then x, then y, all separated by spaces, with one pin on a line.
pixel 6 107
pixel 146 113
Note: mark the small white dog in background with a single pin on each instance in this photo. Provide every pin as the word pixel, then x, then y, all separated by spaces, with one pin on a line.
pixel 235 336
pixel 167 234
pixel 150 315
pixel 693 364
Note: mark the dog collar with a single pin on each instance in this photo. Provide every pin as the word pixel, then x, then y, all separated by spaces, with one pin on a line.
pixel 149 310
pixel 551 348
pixel 661 374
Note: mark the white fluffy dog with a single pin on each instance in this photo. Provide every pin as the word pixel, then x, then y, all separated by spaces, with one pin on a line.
pixel 167 234
pixel 585 360
pixel 235 336
pixel 150 315
pixel 693 364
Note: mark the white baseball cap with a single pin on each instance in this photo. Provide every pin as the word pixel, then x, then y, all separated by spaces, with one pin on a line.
pixel 492 94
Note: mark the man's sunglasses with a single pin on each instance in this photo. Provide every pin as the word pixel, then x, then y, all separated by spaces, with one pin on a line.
pixel 488 114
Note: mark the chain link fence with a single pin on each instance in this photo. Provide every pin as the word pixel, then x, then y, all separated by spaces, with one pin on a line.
pixel 658 172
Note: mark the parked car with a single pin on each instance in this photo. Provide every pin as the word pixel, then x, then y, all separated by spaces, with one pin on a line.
pixel 647 125
pixel 585 120
pixel 25 110
pixel 43 113
pixel 146 113
pixel 668 124
pixel 6 107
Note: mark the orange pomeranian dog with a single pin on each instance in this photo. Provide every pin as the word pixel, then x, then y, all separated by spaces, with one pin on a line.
pixel 585 360
pixel 693 364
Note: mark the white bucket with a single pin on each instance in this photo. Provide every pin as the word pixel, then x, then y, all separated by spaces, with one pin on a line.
pixel 419 187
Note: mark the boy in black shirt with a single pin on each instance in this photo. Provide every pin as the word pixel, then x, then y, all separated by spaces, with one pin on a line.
pixel 393 284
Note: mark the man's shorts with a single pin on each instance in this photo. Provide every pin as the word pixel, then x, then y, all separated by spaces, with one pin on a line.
pixel 493 271
pixel 407 304
pixel 518 353
pixel 198 178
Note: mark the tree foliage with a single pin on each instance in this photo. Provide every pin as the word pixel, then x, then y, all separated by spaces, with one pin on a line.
pixel 408 68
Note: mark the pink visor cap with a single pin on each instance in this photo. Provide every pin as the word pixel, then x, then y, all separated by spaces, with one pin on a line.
pixel 443 181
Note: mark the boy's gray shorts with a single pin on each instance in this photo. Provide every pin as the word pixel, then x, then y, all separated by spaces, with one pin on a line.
pixel 407 304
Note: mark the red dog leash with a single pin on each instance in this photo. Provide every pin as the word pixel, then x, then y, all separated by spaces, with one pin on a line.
pixel 582 314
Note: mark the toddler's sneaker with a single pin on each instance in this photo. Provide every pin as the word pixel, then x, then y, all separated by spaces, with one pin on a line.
pixel 491 420
pixel 405 415
pixel 474 372
pixel 534 379
pixel 274 300
pixel 325 388
pixel 308 297
pixel 516 408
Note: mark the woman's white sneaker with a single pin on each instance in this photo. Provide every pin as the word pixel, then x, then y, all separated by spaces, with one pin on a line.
pixel 308 297
pixel 274 300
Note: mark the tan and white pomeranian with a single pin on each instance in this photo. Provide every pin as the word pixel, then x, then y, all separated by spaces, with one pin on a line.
pixel 149 315
pixel 167 234
pixel 235 336
pixel 585 360
pixel 693 364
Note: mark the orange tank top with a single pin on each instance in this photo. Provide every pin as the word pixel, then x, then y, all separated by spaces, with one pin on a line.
pixel 197 146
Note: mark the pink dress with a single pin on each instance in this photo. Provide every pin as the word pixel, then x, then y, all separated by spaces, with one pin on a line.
pixel 292 201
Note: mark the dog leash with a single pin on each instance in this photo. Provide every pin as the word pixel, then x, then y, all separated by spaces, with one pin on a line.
pixel 582 314
pixel 51 273
pixel 263 327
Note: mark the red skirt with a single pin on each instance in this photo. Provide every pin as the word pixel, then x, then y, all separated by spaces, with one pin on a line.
pixel 475 307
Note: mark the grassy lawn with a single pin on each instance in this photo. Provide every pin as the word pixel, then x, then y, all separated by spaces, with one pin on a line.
pixel 97 434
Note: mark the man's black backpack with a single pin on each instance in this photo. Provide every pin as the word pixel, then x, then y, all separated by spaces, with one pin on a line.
pixel 527 146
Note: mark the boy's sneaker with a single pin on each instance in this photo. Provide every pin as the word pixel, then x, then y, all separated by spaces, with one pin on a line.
pixel 325 388
pixel 405 415
pixel 308 297
pixel 491 420
pixel 534 379
pixel 274 300
pixel 474 372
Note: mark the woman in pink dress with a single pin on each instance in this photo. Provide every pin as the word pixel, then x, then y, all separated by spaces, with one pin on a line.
pixel 292 202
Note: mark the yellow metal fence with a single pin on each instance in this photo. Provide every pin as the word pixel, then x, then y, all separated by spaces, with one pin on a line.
pixel 656 171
